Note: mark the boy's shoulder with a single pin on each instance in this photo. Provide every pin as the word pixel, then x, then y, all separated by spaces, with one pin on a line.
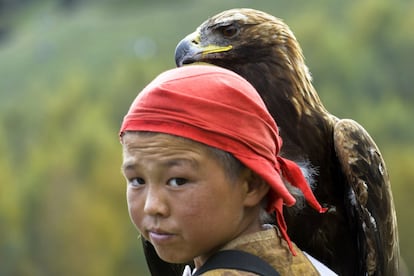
pixel 272 248
pixel 269 246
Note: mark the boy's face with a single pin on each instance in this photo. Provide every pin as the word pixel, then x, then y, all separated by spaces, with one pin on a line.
pixel 180 199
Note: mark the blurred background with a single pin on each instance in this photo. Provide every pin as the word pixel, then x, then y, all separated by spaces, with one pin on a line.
pixel 69 70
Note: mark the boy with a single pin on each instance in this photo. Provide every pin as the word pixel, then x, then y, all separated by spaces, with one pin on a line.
pixel 201 160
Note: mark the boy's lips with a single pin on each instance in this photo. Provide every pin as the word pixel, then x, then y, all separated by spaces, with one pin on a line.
pixel 158 235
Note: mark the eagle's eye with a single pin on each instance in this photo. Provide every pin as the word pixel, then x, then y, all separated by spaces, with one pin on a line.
pixel 229 31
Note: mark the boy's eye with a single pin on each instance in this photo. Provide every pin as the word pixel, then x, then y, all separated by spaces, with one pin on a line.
pixel 175 182
pixel 136 182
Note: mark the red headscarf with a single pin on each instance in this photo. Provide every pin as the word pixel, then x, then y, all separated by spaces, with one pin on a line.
pixel 219 108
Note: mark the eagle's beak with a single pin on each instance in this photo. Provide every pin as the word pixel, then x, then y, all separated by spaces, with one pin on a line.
pixel 190 50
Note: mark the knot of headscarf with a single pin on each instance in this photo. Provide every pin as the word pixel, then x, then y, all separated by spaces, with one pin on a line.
pixel 219 108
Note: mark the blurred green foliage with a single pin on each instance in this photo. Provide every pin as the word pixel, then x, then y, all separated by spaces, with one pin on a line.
pixel 70 69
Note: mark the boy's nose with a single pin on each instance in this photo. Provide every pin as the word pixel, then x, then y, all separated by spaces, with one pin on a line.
pixel 156 202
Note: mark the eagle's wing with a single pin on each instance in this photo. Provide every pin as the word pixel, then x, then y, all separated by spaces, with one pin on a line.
pixel 158 267
pixel 369 196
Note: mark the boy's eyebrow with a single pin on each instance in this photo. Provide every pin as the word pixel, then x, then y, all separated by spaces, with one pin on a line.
pixel 127 166
pixel 130 165
pixel 180 161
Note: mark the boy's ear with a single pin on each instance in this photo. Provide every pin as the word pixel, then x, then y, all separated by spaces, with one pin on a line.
pixel 255 187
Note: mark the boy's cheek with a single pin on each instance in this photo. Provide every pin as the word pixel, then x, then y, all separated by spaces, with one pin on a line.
pixel 134 215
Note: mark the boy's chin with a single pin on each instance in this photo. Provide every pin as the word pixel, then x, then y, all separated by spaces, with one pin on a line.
pixel 174 257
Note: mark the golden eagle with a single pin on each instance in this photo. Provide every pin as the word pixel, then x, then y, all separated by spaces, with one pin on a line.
pixel 358 235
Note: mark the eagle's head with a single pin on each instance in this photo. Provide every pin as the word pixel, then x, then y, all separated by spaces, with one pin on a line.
pixel 259 47
pixel 236 36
